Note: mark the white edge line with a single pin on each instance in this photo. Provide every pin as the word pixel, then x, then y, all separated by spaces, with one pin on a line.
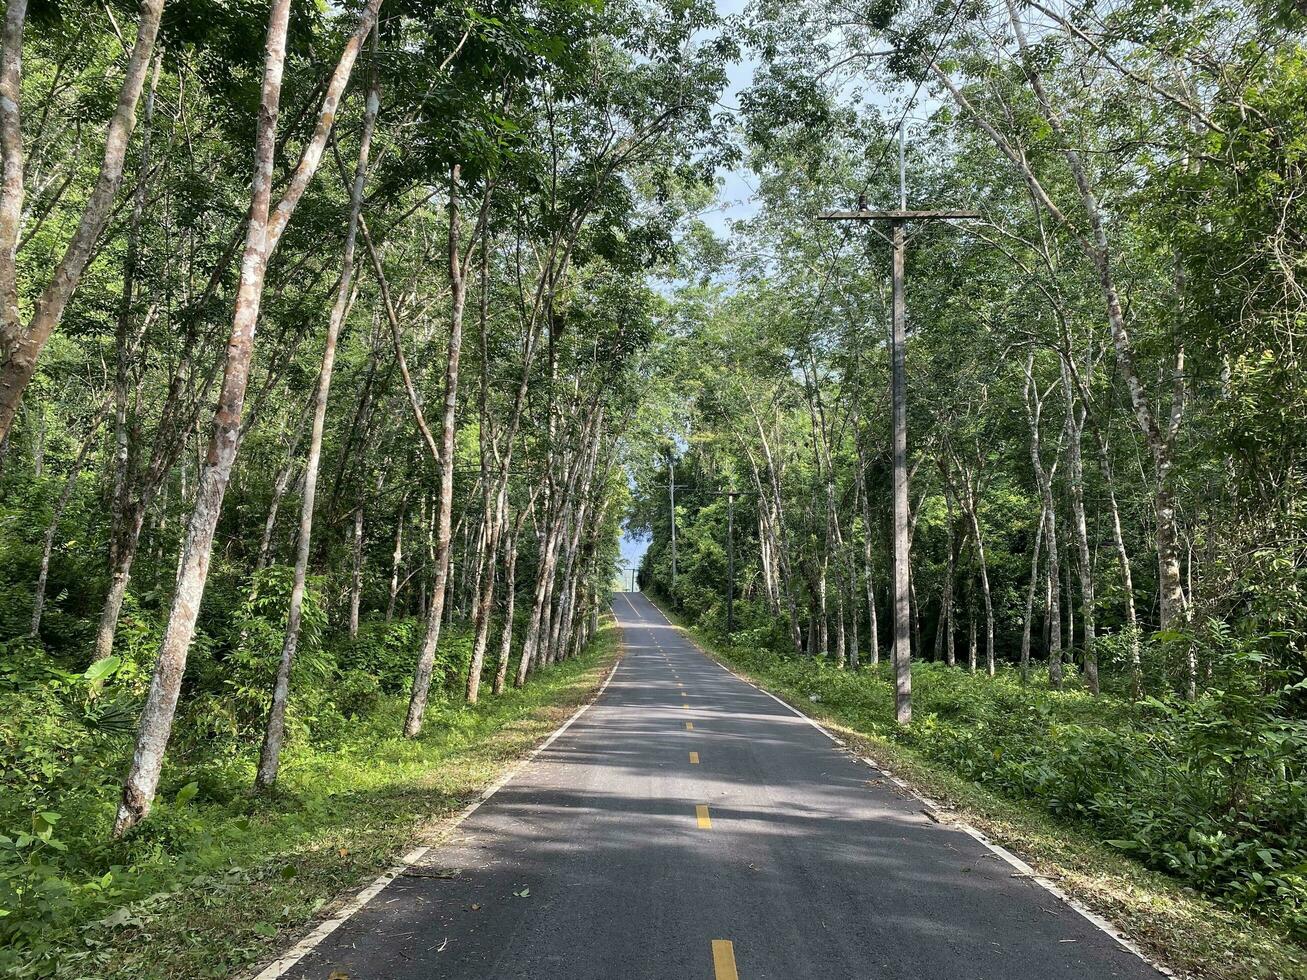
pixel 279 966
pixel 1094 919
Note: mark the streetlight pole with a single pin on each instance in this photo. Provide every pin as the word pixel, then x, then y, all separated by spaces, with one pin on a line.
pixel 898 239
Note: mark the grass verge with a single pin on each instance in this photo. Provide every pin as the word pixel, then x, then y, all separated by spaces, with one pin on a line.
pixel 1173 924
pixel 338 819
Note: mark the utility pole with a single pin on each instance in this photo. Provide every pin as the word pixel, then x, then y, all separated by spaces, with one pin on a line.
pixel 898 239
pixel 672 487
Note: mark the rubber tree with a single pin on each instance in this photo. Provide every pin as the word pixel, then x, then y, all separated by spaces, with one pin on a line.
pixel 264 228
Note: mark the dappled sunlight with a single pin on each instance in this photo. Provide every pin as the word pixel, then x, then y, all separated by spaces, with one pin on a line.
pixel 808 856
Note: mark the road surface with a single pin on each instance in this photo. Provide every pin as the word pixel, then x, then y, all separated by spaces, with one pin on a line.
pixel 689 826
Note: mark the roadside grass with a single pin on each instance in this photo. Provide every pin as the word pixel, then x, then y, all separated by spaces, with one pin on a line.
pixel 230 882
pixel 1172 923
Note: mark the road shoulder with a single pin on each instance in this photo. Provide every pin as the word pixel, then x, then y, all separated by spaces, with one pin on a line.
pixel 1173 927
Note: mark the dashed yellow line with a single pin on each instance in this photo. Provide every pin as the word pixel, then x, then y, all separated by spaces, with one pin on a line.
pixel 723 960
pixel 689 726
pixel 701 812
pixel 694 758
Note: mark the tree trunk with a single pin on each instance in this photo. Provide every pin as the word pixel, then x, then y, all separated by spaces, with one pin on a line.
pixel 1028 622
pixel 855 641
pixel 944 632
pixel 21 346
pixel 417 704
pixel 537 631
pixel 1044 478
pixel 279 487
pixel 510 595
pixel 1160 439
pixel 873 628
pixel 263 230
pixel 396 559
pixel 274 731
pixel 1054 602
pixel 976 535
pixel 1123 563
pixel 356 572
pixel 485 600
pixel 971 630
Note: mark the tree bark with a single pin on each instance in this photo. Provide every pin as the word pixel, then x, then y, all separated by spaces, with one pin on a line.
pixel 537 626
pixel 1034 407
pixel 510 596
pixel 417 704
pixel 274 731
pixel 873 629
pixel 356 571
pixel 944 630
pixel 396 560
pixel 263 231
pixel 1028 622
pixel 1123 563
pixel 21 345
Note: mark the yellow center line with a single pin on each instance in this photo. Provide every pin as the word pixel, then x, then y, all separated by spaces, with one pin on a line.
pixel 694 758
pixel 689 726
pixel 686 707
pixel 701 811
pixel 723 960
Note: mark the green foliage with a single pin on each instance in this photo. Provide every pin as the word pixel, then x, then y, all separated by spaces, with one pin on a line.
pixel 243 669
pixel 1213 792
pixel 73 904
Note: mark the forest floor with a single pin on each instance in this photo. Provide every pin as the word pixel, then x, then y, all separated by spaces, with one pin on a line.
pixel 339 818
pixel 1172 923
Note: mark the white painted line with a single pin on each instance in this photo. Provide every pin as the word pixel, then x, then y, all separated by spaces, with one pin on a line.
pixel 279 966
pixel 1094 919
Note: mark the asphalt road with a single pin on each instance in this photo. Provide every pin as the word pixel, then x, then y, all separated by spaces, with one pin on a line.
pixel 690 826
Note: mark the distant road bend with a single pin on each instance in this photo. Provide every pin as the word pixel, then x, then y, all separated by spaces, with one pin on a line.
pixel 690 826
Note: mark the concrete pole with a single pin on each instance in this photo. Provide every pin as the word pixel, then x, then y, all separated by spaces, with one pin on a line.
pixel 899 421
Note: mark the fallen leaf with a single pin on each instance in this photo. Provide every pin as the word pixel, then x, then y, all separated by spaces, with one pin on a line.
pixel 523 893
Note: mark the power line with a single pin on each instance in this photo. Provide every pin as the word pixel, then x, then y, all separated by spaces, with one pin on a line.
pixel 916 89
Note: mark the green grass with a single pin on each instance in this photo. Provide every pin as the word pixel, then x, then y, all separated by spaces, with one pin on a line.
pixel 222 880
pixel 1173 923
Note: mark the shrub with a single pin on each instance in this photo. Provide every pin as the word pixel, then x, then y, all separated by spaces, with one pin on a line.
pixel 1213 791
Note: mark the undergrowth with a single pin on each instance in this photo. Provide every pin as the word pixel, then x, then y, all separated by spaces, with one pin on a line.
pixel 217 874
